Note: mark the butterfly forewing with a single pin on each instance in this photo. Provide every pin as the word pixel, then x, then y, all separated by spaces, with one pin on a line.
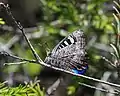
pixel 70 53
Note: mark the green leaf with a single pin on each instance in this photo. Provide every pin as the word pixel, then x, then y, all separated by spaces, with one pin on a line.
pixel 2 22
pixel 71 90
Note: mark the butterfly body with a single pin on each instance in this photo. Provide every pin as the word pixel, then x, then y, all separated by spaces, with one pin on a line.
pixel 70 54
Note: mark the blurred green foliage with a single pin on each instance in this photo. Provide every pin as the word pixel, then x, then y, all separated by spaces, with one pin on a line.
pixel 59 17
pixel 30 89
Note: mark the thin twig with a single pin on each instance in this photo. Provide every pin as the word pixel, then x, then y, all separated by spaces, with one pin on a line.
pixel 23 32
pixel 15 63
pixel 58 69
pixel 104 58
pixel 16 57
pixel 100 89
pixel 106 77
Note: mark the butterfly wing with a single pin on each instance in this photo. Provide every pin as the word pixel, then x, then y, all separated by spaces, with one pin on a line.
pixel 70 53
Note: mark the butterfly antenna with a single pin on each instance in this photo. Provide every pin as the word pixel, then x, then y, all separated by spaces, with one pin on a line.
pixel 47 48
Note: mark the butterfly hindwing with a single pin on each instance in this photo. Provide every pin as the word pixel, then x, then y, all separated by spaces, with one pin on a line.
pixel 70 53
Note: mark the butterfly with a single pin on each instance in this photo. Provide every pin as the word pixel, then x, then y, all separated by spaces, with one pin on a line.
pixel 70 54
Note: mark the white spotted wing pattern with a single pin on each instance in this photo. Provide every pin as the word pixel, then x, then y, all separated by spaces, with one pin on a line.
pixel 70 54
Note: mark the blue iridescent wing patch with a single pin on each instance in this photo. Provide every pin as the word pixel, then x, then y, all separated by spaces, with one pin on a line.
pixel 70 54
